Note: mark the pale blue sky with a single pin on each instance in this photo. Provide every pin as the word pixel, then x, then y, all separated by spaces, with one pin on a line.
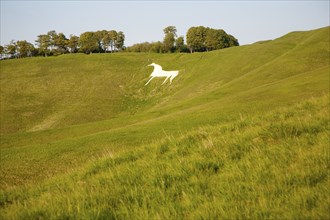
pixel 248 21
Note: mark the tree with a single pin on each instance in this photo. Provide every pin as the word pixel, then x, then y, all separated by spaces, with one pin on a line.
pixel 201 39
pixel 112 39
pixel 168 42
pixel 179 44
pixel 232 41
pixel 60 43
pixel 156 47
pixel 73 43
pixel 216 39
pixel 196 38
pixel 106 42
pixel 170 29
pixel 88 42
pixel 211 39
pixel 11 49
pixel 109 40
pixel 120 40
pixel 52 36
pixel 2 52
pixel 25 49
pixel 100 35
pixel 44 42
pixel 169 39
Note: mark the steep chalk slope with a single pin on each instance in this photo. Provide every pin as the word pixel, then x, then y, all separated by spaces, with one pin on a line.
pixel 39 93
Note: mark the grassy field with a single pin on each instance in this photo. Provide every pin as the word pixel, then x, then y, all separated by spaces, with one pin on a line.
pixel 241 133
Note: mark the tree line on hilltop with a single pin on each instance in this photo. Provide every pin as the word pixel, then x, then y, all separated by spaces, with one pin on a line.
pixel 199 39
pixel 54 43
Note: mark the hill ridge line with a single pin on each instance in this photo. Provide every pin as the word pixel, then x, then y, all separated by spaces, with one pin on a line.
pixel 268 63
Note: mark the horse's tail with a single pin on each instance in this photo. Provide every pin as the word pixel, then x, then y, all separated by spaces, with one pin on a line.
pixel 174 74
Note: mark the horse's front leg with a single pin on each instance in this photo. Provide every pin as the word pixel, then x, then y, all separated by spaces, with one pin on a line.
pixel 165 80
pixel 149 80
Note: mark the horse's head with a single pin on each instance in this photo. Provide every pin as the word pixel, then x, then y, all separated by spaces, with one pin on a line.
pixel 152 64
pixel 156 66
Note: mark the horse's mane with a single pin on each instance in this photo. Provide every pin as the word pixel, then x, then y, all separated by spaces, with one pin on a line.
pixel 157 66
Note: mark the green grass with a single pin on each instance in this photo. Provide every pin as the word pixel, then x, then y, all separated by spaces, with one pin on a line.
pixel 241 133
pixel 255 167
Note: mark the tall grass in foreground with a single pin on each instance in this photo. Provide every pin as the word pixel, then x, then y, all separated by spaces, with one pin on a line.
pixel 272 166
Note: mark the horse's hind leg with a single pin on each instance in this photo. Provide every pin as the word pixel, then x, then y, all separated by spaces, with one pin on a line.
pixel 172 77
pixel 165 80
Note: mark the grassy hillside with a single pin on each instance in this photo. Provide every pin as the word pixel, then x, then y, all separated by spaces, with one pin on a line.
pixel 241 133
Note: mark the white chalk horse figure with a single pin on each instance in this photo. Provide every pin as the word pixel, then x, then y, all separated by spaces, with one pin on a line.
pixel 159 72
